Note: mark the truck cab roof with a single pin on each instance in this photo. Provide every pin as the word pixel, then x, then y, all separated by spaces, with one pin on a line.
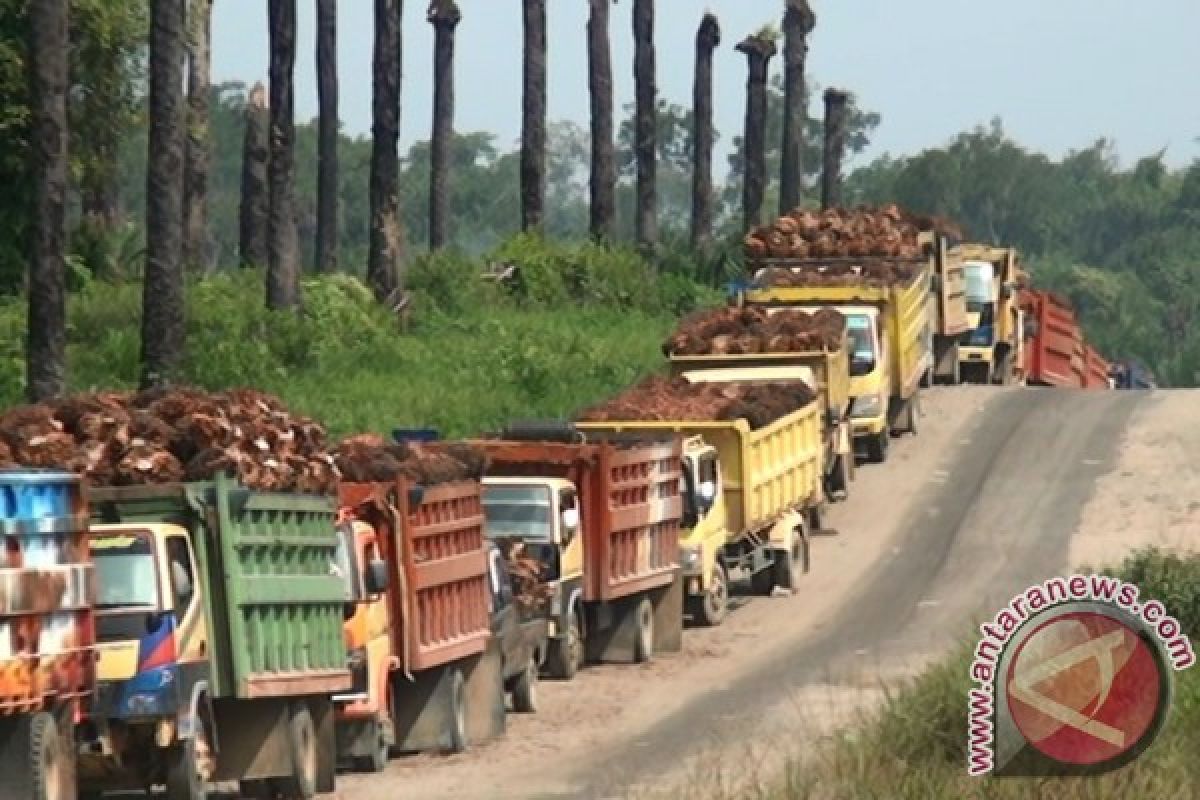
pixel 553 483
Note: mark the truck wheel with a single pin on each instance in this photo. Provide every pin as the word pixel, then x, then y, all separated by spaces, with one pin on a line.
pixel 302 744
pixel 34 762
pixel 377 761
pixel 566 654
pixel 877 447
pixel 458 713
pixel 190 765
pixel 524 693
pixel 783 571
pixel 643 645
pixel 714 605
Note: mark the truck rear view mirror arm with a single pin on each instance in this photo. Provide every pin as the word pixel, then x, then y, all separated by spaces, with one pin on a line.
pixel 377 577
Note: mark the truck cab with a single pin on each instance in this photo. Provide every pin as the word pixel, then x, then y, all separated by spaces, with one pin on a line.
pixel 544 514
pixel 521 633
pixel 705 532
pixel 991 350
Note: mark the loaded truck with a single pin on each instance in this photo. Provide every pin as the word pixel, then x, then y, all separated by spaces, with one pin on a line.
pixel 219 618
pixel 752 498
pixel 991 350
pixel 603 516
pixel 47 635
pixel 888 321
pixel 522 632
pixel 1054 348
pixel 426 673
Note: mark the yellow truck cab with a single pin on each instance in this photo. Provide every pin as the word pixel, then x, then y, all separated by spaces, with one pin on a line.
pixel 544 514
pixel 991 349
pixel 705 532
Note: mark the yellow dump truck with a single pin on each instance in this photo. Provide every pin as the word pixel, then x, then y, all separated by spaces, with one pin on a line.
pixel 991 349
pixel 948 311
pixel 888 319
pixel 752 499
pixel 825 370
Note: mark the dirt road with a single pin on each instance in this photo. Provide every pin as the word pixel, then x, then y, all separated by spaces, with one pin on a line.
pixel 981 504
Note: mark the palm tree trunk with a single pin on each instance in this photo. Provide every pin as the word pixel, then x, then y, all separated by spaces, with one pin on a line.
pixel 387 235
pixel 835 147
pixel 195 181
pixel 252 240
pixel 327 145
pixel 444 16
pixel 759 51
pixel 798 21
pixel 708 38
pixel 46 351
pixel 162 302
pixel 604 173
pixel 645 122
pixel 533 117
pixel 283 273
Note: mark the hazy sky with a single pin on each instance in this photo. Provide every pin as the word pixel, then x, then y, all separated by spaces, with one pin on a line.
pixel 1061 73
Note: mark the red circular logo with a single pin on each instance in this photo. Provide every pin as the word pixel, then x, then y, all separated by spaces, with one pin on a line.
pixel 1084 688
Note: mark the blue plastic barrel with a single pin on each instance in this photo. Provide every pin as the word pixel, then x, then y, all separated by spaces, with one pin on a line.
pixel 33 494
pixel 401 435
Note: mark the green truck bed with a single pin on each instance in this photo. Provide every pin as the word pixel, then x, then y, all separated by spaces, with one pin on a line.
pixel 272 604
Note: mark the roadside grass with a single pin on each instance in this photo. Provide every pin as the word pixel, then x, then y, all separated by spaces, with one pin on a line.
pixel 582 324
pixel 914 746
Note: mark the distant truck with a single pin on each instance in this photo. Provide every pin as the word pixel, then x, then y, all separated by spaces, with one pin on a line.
pixel 948 312
pixel 890 339
pixel 752 499
pixel 426 675
pixel 220 623
pixel 604 517
pixel 991 350
pixel 522 633
pixel 47 637
pixel 1054 348
pixel 1131 375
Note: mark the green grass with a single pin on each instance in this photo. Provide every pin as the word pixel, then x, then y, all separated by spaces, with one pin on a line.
pixel 913 748
pixel 582 324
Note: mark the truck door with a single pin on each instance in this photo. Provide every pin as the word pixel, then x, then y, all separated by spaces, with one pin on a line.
pixel 570 535
pixel 191 628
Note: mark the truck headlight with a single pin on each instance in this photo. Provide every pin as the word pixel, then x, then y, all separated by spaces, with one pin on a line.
pixel 867 405
pixel 691 558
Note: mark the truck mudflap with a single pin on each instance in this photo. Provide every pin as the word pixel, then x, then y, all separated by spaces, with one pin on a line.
pixel 254 740
pixel 626 631
pixel 447 708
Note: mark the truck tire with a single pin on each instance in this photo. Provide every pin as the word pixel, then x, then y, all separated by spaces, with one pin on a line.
pixel 302 744
pixel 643 643
pixel 457 739
pixel 184 781
pixel 524 692
pixel 877 447
pixel 565 655
pixel 710 609
pixel 377 760
pixel 33 759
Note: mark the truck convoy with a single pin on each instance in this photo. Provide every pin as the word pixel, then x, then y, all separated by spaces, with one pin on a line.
pixel 991 350
pixel 220 627
pixel 752 498
pixel 47 636
pixel 604 517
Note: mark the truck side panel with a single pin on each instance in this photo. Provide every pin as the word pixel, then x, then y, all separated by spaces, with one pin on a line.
pixel 1056 350
pixel 951 291
pixel 47 591
pixel 908 317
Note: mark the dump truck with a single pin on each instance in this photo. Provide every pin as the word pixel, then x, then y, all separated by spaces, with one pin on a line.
pixel 889 328
pixel 522 632
pixel 752 499
pixel 948 312
pixel 1131 375
pixel 426 674
pixel 990 351
pixel 47 634
pixel 219 618
pixel 1054 349
pixel 825 370
pixel 603 516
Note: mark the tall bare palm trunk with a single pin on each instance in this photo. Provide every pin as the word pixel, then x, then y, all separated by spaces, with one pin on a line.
pixel 835 147
pixel 283 271
pixel 387 236
pixel 252 238
pixel 327 144
pixel 195 181
pixel 604 171
pixel 46 351
pixel 758 50
pixel 708 38
pixel 444 16
pixel 645 122
pixel 798 22
pixel 533 117
pixel 162 303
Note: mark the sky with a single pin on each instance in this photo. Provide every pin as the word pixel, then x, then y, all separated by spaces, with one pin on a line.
pixel 1060 73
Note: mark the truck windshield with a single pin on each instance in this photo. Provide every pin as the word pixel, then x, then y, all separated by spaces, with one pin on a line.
pixel 125 571
pixel 862 344
pixel 980 277
pixel 523 511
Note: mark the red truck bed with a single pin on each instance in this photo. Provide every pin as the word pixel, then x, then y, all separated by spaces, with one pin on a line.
pixel 1055 355
pixel 1096 372
pixel 630 501
pixel 438 587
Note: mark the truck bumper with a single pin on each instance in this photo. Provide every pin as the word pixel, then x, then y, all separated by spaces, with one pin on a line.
pixel 868 426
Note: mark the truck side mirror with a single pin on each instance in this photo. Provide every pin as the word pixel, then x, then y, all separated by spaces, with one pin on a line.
pixel 706 494
pixel 570 524
pixel 377 577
